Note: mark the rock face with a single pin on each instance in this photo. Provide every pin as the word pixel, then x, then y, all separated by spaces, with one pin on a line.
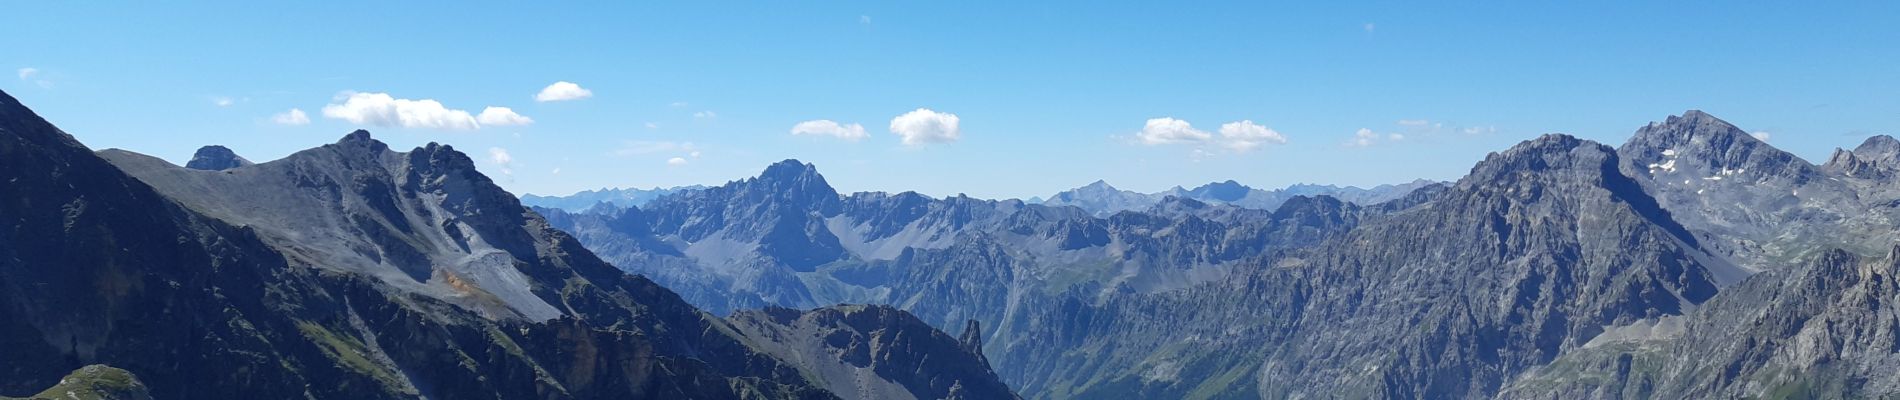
pixel 94 382
pixel 216 158
pixel 1824 329
pixel 875 352
pixel 346 271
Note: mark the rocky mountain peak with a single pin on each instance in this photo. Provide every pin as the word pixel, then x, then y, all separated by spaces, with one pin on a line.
pixel 1693 127
pixel 1309 204
pixel 1178 202
pixel 1881 145
pixel 795 179
pixel 1698 147
pixel 1563 164
pixel 360 139
pixel 1227 191
pixel 1549 152
pixel 358 135
pixel 1877 157
pixel 789 169
pixel 436 159
pixel 216 158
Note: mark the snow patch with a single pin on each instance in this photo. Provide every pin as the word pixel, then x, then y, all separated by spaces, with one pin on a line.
pixel 1667 327
pixel 1666 166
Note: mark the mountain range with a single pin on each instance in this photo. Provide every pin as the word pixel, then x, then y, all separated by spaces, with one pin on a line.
pixel 1692 261
pixel 1557 268
pixel 352 270
pixel 585 199
pixel 1102 200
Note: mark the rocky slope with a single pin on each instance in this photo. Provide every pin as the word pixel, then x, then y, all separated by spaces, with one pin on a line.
pixel 346 271
pixel 1823 329
pixel 876 352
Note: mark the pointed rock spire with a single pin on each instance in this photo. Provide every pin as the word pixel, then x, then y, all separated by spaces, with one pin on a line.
pixel 972 338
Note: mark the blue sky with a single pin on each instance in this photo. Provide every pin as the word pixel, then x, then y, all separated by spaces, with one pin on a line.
pixel 1046 96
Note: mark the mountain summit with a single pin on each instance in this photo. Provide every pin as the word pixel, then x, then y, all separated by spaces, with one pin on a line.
pixel 216 158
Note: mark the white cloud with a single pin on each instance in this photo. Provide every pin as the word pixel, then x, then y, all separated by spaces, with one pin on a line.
pixel 35 75
pixel 675 161
pixel 1363 138
pixel 1414 122
pixel 556 171
pixel 1473 130
pixel 500 157
pixel 1396 137
pixel 1244 135
pixel 1238 136
pixel 502 116
pixel 222 101
pixel 1761 135
pixel 292 117
pixel 825 127
pixel 651 125
pixel 1167 130
pixel 677 104
pixel 562 91
pixel 381 109
pixel 708 114
pixel 924 126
